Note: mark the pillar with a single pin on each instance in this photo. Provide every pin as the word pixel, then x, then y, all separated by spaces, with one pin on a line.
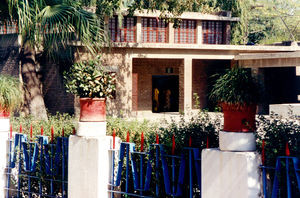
pixel 139 30
pixel 199 32
pixel 4 132
pixel 171 32
pixel 188 78
pixel 88 173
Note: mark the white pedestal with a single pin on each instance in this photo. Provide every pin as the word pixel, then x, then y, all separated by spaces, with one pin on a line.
pixel 88 167
pixel 237 141
pixel 91 129
pixel 230 174
pixel 4 132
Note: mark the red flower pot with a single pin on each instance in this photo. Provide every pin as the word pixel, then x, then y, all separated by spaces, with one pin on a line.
pixel 239 118
pixel 92 109
pixel 4 113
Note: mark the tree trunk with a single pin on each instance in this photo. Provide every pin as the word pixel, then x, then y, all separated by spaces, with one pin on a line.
pixel 33 98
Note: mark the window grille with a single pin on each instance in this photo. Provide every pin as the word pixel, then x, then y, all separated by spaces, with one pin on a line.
pixel 212 32
pixel 154 30
pixel 186 32
pixel 125 33
pixel 8 27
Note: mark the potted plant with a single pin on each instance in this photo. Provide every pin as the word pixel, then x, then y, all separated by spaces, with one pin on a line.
pixel 89 81
pixel 11 96
pixel 238 93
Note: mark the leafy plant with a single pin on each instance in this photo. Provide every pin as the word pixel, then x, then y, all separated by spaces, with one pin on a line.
pixel 89 79
pixel 236 86
pixel 10 93
pixel 277 131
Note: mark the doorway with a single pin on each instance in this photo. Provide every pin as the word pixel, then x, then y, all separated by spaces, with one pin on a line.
pixel 165 93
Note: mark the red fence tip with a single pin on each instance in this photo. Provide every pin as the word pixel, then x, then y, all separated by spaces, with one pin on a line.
pixel 207 142
pixel 173 144
pixel 52 134
pixel 190 141
pixel 263 157
pixel 10 132
pixel 42 130
pixel 157 139
pixel 114 139
pixel 74 131
pixel 31 131
pixel 63 132
pixel 127 137
pixel 287 150
pixel 142 141
pixel 21 129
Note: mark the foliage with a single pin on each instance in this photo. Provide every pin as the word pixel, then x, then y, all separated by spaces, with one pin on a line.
pixel 88 79
pixel 277 131
pixel 236 86
pixel 10 93
pixel 50 25
pixel 198 128
pixel 58 122
pixel 134 127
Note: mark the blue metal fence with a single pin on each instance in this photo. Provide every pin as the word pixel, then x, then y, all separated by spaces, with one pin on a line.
pixel 37 168
pixel 283 180
pixel 154 173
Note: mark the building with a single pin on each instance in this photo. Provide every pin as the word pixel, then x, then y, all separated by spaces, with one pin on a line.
pixel 159 68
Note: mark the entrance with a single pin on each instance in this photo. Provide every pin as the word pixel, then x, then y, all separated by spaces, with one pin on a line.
pixel 165 93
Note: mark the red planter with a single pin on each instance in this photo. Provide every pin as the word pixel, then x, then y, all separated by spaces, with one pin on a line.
pixel 239 118
pixel 4 113
pixel 92 109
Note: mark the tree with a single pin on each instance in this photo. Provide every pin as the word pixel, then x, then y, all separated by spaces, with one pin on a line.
pixel 47 26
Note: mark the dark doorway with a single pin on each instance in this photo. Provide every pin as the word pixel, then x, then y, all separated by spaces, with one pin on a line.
pixel 165 93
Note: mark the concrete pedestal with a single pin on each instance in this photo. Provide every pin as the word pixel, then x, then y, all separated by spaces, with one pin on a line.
pixel 91 129
pixel 230 174
pixel 88 173
pixel 237 141
pixel 4 132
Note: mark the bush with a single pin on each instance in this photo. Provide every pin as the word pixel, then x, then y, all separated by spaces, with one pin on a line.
pixel 198 128
pixel 58 121
pixel 277 131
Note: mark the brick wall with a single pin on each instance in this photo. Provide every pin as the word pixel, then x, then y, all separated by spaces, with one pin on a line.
pixel 9 53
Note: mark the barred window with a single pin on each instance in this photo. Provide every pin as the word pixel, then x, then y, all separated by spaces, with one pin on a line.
pixel 8 27
pixel 125 33
pixel 186 32
pixel 154 30
pixel 212 32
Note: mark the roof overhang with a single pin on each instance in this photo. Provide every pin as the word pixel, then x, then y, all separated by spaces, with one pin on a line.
pixel 276 59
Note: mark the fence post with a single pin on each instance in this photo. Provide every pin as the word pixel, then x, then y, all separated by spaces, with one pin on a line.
pixel 88 172
pixel 4 132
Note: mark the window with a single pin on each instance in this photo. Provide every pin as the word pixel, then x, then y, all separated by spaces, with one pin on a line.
pixel 186 32
pixel 154 30
pixel 125 33
pixel 212 32
pixel 7 27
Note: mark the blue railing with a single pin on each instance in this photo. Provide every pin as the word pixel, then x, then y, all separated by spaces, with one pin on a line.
pixel 38 168
pixel 154 173
pixel 283 180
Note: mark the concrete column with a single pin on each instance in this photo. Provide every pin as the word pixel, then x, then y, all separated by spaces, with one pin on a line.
pixel 199 32
pixel 4 132
pixel 88 173
pixel 139 30
pixel 230 174
pixel 188 77
pixel 171 32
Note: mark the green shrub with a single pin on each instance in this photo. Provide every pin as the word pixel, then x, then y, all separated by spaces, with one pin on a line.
pixel 276 131
pixel 88 79
pixel 58 121
pixel 11 95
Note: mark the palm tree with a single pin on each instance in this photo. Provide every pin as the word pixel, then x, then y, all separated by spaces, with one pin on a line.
pixel 48 26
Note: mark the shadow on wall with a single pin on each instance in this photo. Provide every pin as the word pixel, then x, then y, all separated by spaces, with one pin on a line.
pixel 9 55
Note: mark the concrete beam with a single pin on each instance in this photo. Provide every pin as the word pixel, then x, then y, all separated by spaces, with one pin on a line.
pixel 279 62
pixel 188 80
